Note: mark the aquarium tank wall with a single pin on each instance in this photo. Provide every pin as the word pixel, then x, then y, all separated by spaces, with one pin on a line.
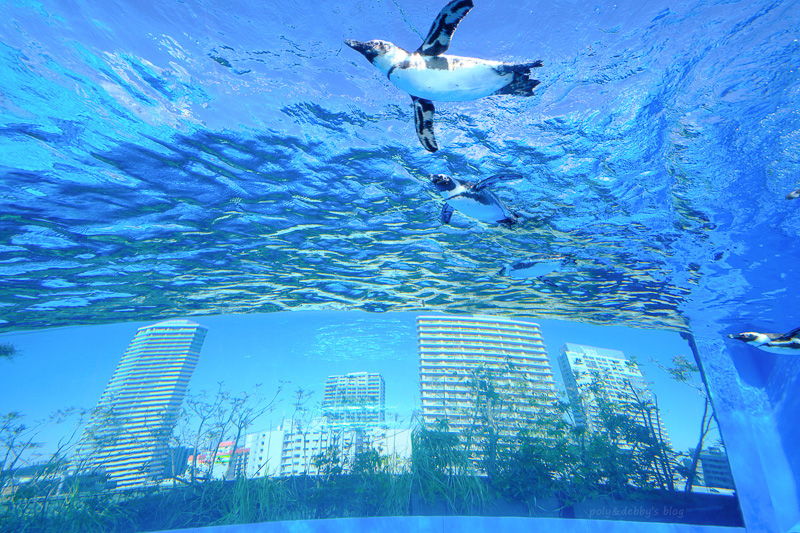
pixel 394 265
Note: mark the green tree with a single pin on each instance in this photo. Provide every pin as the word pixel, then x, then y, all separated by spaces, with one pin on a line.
pixel 623 445
pixel 47 473
pixel 542 459
pixel 443 468
pixel 330 463
pixel 246 408
pixel 207 412
pixel 687 372
pixel 8 351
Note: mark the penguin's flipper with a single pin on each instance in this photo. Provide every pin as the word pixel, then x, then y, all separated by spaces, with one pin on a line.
pixel 786 336
pixel 491 180
pixel 423 121
pixel 447 213
pixel 438 40
pixel 549 283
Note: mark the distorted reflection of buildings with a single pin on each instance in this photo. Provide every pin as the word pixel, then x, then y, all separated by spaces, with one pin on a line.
pixel 355 398
pixel 307 448
pixel 50 478
pixel 353 421
pixel 216 464
pixel 715 470
pixel 482 365
pixel 178 459
pixel 128 434
pixel 593 374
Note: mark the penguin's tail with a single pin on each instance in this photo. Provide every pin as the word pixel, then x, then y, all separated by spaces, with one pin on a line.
pixel 522 83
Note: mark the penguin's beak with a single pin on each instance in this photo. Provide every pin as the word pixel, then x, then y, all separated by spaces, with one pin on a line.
pixel 358 46
pixel 368 49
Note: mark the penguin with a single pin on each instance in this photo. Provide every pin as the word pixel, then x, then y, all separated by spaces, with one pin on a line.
pixel 537 269
pixel 786 344
pixel 794 194
pixel 427 74
pixel 474 199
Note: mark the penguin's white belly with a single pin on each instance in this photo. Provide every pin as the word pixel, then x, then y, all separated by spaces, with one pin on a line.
pixel 537 270
pixel 491 212
pixel 460 80
pixel 787 349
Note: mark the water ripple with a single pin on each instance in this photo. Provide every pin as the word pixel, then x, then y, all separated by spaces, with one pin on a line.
pixel 250 164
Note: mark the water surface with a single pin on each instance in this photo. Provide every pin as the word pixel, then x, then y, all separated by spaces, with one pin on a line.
pixel 163 159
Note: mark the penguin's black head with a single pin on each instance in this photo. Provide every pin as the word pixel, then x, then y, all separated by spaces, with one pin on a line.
pixel 569 260
pixel 749 337
pixel 371 49
pixel 443 182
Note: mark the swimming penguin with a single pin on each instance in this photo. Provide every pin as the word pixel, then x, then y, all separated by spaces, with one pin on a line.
pixel 474 199
pixel 537 268
pixel 786 344
pixel 794 194
pixel 429 75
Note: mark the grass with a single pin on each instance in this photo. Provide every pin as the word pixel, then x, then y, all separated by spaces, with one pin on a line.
pixel 295 498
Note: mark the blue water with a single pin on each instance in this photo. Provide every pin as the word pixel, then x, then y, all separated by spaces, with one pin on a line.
pixel 168 158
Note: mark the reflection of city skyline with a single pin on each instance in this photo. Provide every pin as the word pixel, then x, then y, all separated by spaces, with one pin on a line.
pixel 355 398
pixel 459 354
pixel 352 421
pixel 390 382
pixel 128 435
pixel 452 348
pixel 592 374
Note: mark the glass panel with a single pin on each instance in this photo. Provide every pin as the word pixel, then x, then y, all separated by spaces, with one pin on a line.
pixel 308 415
pixel 610 163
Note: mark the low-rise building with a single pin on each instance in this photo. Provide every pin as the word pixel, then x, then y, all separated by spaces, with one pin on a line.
pixel 309 448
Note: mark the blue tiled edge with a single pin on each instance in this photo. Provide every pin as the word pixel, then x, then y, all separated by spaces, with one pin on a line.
pixel 460 524
pixel 761 457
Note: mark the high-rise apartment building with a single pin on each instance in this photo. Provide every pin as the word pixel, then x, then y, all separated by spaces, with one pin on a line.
pixel 357 398
pixel 716 469
pixel 589 372
pixel 465 360
pixel 128 435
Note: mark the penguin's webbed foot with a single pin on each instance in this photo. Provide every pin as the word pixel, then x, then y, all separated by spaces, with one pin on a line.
pixel 522 84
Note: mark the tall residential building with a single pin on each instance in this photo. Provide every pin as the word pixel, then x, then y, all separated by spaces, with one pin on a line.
pixel 128 435
pixel 357 398
pixel 463 359
pixel 715 468
pixel 589 371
